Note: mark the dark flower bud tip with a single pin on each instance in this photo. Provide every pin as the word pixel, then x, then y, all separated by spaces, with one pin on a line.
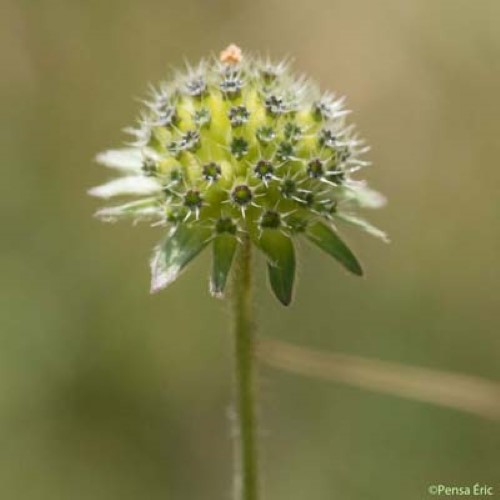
pixel 242 195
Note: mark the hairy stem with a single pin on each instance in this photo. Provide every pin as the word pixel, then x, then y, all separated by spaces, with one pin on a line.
pixel 246 481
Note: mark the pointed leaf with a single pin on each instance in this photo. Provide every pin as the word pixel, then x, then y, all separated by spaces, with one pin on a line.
pixel 362 195
pixel 130 185
pixel 125 159
pixel 326 239
pixel 224 247
pixel 364 225
pixel 181 246
pixel 281 263
pixel 146 208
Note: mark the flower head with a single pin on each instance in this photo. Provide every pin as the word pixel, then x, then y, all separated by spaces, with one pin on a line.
pixel 240 147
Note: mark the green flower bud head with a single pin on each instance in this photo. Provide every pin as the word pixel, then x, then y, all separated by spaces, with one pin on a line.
pixel 240 147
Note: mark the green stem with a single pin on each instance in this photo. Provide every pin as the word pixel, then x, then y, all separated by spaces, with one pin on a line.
pixel 246 473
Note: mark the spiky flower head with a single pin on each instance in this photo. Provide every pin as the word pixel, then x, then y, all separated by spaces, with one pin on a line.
pixel 238 147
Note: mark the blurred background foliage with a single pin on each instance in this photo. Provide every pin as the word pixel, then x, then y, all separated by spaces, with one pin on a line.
pixel 107 392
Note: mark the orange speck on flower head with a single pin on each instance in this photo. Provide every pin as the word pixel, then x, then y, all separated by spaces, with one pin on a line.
pixel 231 55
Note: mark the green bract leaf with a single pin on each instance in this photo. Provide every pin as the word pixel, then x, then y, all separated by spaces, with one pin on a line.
pixel 363 224
pixel 326 239
pixel 224 247
pixel 128 160
pixel 135 185
pixel 281 263
pixel 361 195
pixel 181 246
pixel 145 209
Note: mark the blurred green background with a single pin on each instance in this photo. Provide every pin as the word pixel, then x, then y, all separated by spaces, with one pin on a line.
pixel 109 393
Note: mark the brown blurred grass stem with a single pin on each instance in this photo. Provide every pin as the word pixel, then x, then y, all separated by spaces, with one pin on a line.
pixel 466 393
